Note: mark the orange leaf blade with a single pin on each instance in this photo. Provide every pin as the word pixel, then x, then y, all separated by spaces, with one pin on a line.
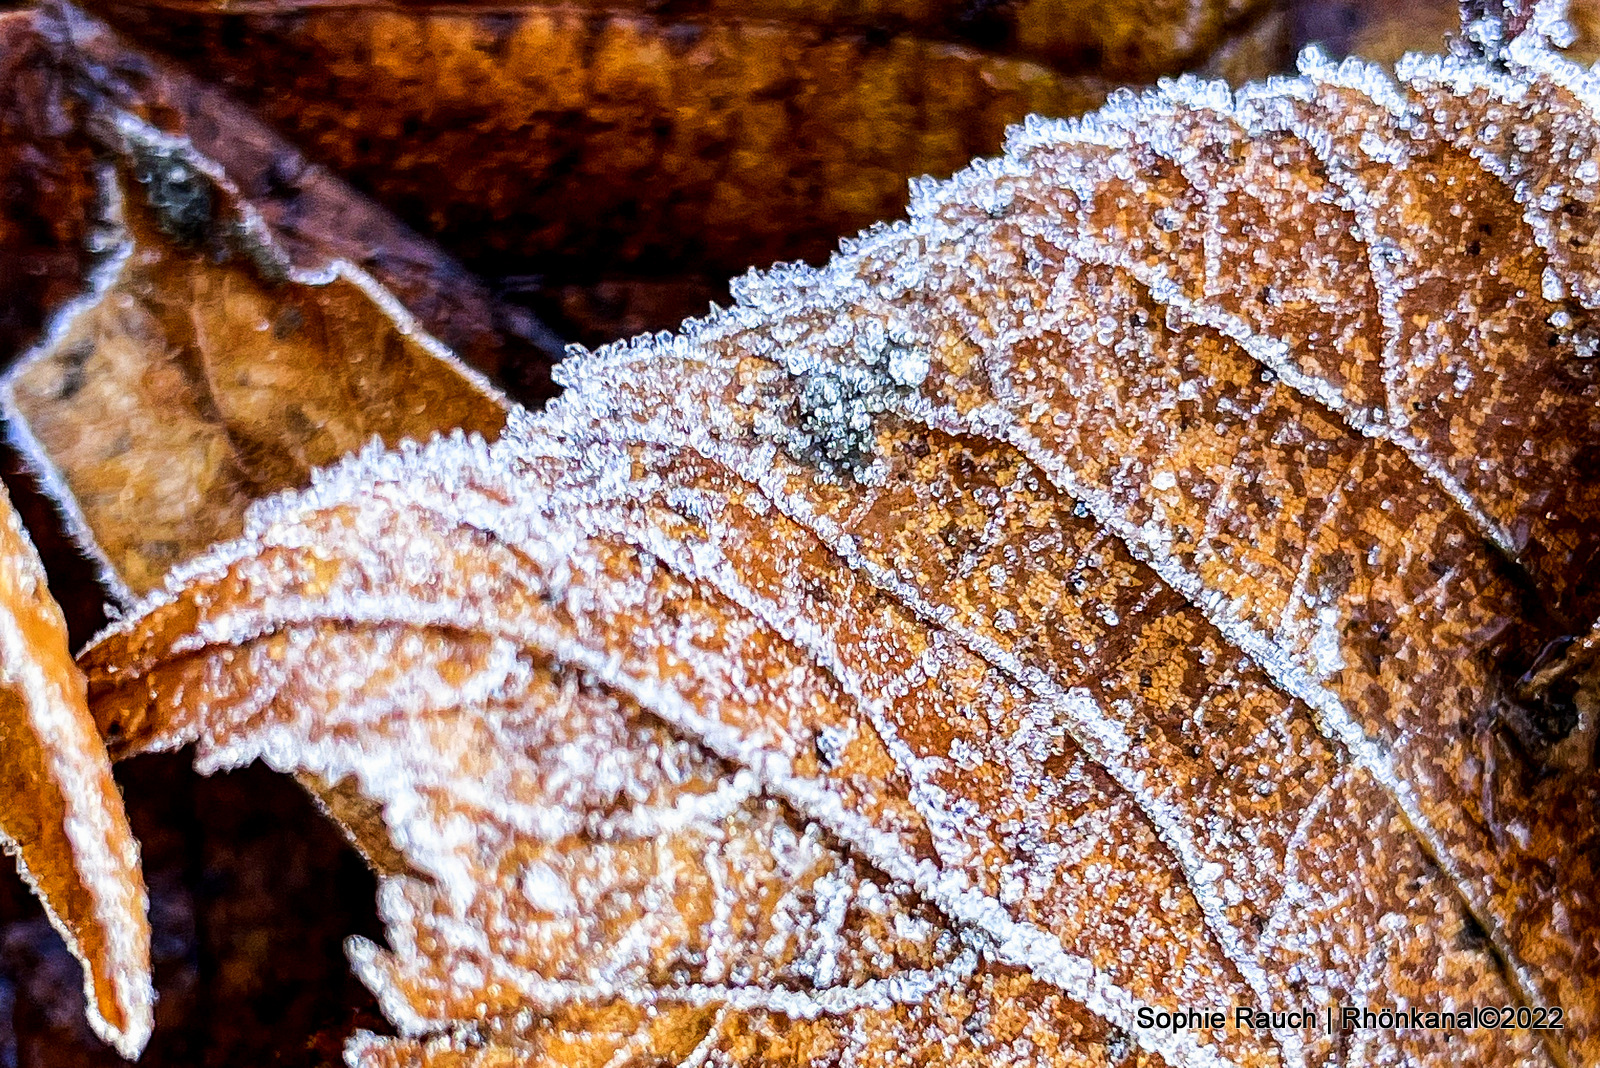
pixel 60 811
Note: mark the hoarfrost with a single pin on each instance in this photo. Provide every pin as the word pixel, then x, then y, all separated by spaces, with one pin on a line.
pixel 1127 666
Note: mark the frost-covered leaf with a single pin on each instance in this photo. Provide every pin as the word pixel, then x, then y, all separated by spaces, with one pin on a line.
pixel 1140 578
pixel 60 813
pixel 207 367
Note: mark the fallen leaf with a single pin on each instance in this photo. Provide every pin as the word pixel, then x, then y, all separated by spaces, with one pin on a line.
pixel 69 80
pixel 611 164
pixel 1127 582
pixel 49 190
pixel 1127 41
pixel 162 400
pixel 60 813
pixel 161 388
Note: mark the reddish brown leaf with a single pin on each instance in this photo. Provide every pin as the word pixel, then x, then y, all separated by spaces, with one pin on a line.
pixel 614 162
pixel 46 208
pixel 69 80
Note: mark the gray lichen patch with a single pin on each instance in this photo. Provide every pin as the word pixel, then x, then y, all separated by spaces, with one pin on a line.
pixel 837 405
pixel 192 203
pixel 179 195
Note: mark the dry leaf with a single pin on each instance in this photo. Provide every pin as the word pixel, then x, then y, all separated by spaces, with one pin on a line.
pixel 60 812
pixel 1128 41
pixel 161 391
pixel 71 84
pixel 612 163
pixel 46 177
pixel 159 399
pixel 1128 582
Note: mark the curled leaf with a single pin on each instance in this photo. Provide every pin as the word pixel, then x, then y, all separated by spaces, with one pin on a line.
pixel 60 812
pixel 206 368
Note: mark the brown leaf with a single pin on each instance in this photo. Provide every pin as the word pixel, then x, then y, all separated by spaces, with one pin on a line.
pixel 70 78
pixel 206 368
pixel 163 297
pixel 60 812
pixel 1131 574
pixel 1127 41
pixel 46 174
pixel 546 773
pixel 612 163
